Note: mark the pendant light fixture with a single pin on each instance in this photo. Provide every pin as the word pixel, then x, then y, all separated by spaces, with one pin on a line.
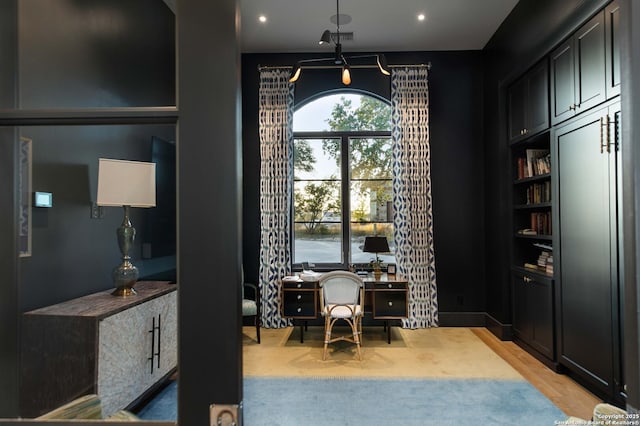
pixel 339 59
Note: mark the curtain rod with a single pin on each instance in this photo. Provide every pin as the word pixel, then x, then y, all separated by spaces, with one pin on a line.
pixel 273 67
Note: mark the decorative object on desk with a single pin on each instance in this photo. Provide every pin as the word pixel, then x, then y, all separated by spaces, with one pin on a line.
pixel 391 269
pixel 127 184
pixel 376 245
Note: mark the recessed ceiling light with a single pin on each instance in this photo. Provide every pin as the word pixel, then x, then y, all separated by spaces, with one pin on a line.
pixel 421 17
pixel 262 18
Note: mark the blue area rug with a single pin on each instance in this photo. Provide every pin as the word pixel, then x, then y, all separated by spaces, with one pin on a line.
pixel 381 402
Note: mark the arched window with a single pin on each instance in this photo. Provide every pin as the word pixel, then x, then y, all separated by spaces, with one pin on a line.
pixel 342 179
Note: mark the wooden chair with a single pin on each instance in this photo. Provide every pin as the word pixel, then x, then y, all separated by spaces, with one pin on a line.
pixel 251 306
pixel 342 298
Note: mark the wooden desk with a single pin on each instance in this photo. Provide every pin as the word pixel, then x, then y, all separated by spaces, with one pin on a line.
pixel 386 298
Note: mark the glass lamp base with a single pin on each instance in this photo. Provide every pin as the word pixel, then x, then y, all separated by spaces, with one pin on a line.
pixel 124 278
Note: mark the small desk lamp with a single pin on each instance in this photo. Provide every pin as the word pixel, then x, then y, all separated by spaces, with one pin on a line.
pixel 127 184
pixel 376 245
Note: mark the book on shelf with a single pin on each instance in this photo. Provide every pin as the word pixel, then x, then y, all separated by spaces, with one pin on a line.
pixel 535 162
pixel 527 232
pixel 539 193
pixel 541 222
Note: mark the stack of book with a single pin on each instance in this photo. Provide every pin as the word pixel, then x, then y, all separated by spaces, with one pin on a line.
pixel 544 263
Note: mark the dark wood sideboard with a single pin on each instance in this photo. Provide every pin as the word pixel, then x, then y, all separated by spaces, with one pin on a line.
pixel 119 348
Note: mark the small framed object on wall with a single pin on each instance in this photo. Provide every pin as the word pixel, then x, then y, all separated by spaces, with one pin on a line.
pixel 391 269
pixel 24 197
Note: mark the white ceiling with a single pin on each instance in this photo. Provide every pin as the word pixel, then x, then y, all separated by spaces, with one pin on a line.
pixel 378 25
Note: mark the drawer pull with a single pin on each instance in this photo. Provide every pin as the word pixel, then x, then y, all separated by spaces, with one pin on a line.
pixel 390 303
pixel 299 310
pixel 390 285
pixel 299 297
pixel 299 285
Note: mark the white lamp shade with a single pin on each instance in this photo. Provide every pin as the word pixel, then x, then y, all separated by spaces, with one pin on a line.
pixel 126 183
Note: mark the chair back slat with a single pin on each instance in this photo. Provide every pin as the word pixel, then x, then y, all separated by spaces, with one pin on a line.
pixel 340 287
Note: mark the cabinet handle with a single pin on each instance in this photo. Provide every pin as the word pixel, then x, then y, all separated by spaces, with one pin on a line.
pixel 153 342
pixel 299 297
pixel 602 134
pixel 526 279
pixel 608 135
pixel 572 107
pixel 159 340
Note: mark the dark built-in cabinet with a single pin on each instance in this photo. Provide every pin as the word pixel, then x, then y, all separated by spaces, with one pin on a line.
pixel 566 209
pixel 533 311
pixel 585 69
pixel 612 49
pixel 587 151
pixel 578 71
pixel 528 100
pixel 532 251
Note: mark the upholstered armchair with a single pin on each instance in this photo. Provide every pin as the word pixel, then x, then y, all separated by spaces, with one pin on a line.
pixel 251 304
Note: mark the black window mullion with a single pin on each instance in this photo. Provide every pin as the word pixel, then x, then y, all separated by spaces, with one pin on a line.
pixel 346 201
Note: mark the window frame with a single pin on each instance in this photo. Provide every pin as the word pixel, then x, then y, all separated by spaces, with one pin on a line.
pixel 345 184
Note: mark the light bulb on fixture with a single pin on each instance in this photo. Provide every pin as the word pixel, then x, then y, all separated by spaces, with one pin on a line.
pixel 381 60
pixel 346 75
pixel 295 73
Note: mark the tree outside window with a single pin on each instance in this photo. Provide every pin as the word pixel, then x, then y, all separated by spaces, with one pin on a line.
pixel 342 179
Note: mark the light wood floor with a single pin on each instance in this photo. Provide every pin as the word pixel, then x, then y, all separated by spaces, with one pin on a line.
pixel 569 396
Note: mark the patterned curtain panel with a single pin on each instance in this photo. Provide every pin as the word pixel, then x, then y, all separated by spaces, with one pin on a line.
pixel 413 218
pixel 276 171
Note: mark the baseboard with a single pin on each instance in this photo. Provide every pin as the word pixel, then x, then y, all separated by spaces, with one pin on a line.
pixel 461 319
pixel 476 319
pixel 500 330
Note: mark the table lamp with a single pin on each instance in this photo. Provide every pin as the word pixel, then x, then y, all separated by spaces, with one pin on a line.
pixel 376 245
pixel 127 184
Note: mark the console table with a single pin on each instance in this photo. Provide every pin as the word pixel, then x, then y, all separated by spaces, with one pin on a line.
pixel 119 348
pixel 386 298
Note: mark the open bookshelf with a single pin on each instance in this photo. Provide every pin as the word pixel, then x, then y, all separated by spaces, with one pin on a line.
pixel 532 200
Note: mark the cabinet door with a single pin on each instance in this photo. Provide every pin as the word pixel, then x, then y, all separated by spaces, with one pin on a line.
pixel 562 83
pixel 516 101
pixel 538 99
pixel 124 357
pixel 540 294
pixel 612 49
pixel 590 64
pixel 167 358
pixel 587 249
pixel 522 325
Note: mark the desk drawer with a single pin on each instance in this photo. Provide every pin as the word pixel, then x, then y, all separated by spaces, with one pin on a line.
pixel 390 304
pixel 390 286
pixel 306 285
pixel 299 304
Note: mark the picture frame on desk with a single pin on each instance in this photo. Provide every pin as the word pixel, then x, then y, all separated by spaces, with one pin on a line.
pixel 391 269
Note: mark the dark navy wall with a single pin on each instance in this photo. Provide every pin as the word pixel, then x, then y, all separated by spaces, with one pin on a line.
pixel 456 129
pixel 72 55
